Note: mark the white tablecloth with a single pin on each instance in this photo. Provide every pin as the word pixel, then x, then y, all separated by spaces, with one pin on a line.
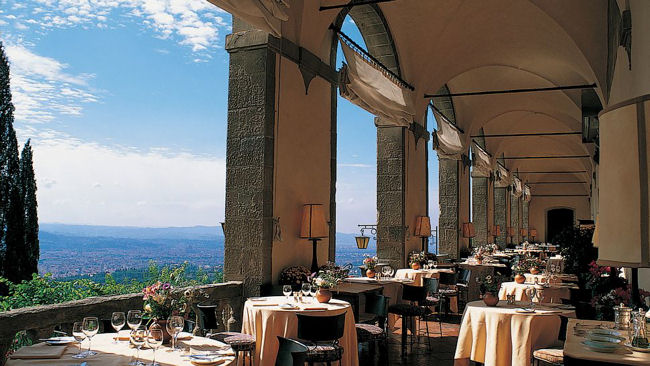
pixel 265 323
pixel 418 275
pixel 552 294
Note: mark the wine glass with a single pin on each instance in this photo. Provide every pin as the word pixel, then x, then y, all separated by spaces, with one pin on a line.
pixel 312 291
pixel 138 337
pixel 305 289
pixel 385 270
pixel 286 290
pixel 90 327
pixel 435 264
pixel 79 336
pixel 176 323
pixel 134 318
pixel 531 292
pixel 154 340
pixel 540 295
pixel 118 319
pixel 430 263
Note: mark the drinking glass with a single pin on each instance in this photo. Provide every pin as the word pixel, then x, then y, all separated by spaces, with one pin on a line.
pixel 177 323
pixel 540 295
pixel 435 264
pixel 79 336
pixel 118 319
pixel 286 290
pixel 430 263
pixel 531 292
pixel 90 327
pixel 385 270
pixel 138 337
pixel 134 318
pixel 312 291
pixel 305 289
pixel 154 340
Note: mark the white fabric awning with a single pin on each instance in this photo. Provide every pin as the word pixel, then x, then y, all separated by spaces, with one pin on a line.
pixel 447 139
pixel 623 223
pixel 517 187
pixel 502 176
pixel 366 85
pixel 527 196
pixel 481 162
pixel 266 15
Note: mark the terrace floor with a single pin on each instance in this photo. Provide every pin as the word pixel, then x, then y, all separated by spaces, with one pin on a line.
pixel 441 351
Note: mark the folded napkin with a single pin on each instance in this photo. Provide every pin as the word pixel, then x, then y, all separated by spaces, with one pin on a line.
pixel 123 335
pixel 39 351
pixel 266 304
pixel 184 336
pixel 315 308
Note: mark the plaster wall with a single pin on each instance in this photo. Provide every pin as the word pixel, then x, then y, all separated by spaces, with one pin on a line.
pixel 464 209
pixel 539 205
pixel 302 163
pixel 416 188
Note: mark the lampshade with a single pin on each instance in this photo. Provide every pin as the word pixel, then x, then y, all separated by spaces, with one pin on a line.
pixel 533 232
pixel 313 223
pixel 423 227
pixel 362 241
pixel 523 232
pixel 510 230
pixel 496 230
pixel 468 230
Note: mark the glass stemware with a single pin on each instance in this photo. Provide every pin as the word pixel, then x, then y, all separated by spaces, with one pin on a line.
pixel 175 325
pixel 134 318
pixel 435 264
pixel 312 291
pixel 118 319
pixel 90 327
pixel 138 337
pixel 154 340
pixel 305 289
pixel 531 292
pixel 286 290
pixel 79 336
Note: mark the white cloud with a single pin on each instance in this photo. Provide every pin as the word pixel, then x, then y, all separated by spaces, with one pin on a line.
pixel 355 165
pixel 89 183
pixel 42 88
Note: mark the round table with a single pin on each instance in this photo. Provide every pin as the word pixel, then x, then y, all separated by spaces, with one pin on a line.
pixel 562 277
pixel 265 320
pixel 500 336
pixel 417 275
pixel 110 354
pixel 554 293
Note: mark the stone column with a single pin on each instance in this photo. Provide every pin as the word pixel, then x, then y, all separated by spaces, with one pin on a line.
pixel 249 161
pixel 391 207
pixel 500 195
pixel 524 218
pixel 490 209
pixel 449 202
pixel 514 218
pixel 480 209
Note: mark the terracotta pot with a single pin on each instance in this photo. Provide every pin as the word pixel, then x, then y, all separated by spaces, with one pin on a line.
pixel 534 270
pixel 370 273
pixel 519 278
pixel 323 295
pixel 415 266
pixel 479 261
pixel 490 299
pixel 162 325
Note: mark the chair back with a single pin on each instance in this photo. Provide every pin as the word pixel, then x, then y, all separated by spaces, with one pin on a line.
pixel 268 289
pixel 291 353
pixel 377 304
pixel 208 315
pixel 564 322
pixel 448 278
pixel 464 275
pixel 414 293
pixel 321 328
pixel 431 284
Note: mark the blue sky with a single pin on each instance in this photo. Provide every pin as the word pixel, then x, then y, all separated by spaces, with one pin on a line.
pixel 125 102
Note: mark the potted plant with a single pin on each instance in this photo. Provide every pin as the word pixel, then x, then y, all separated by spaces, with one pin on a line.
pixel 489 289
pixel 416 259
pixel 161 301
pixel 294 276
pixel 519 268
pixel 534 265
pixel 327 277
pixel 370 262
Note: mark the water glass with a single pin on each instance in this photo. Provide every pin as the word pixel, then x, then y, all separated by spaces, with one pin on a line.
pixel 79 336
pixel 90 327
pixel 305 289
pixel 138 337
pixel 177 323
pixel 312 291
pixel 118 319
pixel 286 291
pixel 134 318
pixel 154 340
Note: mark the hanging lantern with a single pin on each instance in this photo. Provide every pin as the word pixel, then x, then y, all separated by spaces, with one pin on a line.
pixel 362 241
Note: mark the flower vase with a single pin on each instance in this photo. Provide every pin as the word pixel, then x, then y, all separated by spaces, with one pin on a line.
pixel 519 278
pixel 323 295
pixel 415 266
pixel 534 270
pixel 370 273
pixel 162 325
pixel 490 299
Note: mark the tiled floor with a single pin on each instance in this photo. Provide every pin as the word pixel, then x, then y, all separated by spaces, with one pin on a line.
pixel 440 352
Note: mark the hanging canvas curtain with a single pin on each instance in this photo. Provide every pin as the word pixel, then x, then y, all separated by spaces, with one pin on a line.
pixel 502 176
pixel 623 222
pixel 266 15
pixel 481 162
pixel 447 139
pixel 367 85
pixel 517 187
pixel 527 196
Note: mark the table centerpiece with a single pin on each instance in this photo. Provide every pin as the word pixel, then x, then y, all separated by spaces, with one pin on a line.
pixel 370 262
pixel 489 288
pixel 328 276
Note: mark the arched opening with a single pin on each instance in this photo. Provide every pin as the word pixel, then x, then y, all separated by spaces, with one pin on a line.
pixel 558 219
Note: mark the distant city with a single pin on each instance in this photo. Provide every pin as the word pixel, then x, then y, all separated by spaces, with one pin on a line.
pixel 73 251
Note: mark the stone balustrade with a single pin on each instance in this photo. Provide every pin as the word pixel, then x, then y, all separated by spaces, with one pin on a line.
pixel 40 321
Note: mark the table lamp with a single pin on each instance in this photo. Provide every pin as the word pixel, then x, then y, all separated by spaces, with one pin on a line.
pixel 313 227
pixel 423 230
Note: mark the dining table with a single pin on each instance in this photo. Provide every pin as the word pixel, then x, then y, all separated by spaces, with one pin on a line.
pixel 418 275
pixel 392 288
pixel 541 278
pixel 553 293
pixel 266 318
pixel 119 353
pixel 505 335
pixel 576 353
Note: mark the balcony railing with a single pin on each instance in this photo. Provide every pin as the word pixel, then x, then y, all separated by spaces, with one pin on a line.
pixel 40 321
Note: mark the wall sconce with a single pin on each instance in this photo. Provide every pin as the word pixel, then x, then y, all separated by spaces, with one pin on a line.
pixel 423 230
pixel 533 234
pixel 313 227
pixel 362 241
pixel 496 230
pixel 468 230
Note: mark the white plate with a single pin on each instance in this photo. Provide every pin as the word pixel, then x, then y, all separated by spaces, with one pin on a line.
pixel 288 307
pixel 525 311
pixel 638 349
pixel 605 332
pixel 59 341
pixel 206 360
pixel 605 339
pixel 257 299
pixel 601 346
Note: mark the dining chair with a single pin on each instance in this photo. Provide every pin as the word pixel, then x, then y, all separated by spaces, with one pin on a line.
pixel 375 330
pixel 240 342
pixel 449 291
pixel 410 310
pixel 462 285
pixel 433 299
pixel 553 355
pixel 291 353
pixel 321 335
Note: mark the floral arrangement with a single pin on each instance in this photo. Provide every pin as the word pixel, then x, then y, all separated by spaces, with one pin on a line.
pixel 294 276
pixel 484 250
pixel 160 300
pixel 370 262
pixel 417 257
pixel 524 265
pixel 330 275
pixel 489 284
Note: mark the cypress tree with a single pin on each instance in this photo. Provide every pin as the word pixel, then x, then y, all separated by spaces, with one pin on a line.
pixel 28 190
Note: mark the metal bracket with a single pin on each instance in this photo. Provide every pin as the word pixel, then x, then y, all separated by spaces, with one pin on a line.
pixel 467 162
pixel 371 227
pixel 419 132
